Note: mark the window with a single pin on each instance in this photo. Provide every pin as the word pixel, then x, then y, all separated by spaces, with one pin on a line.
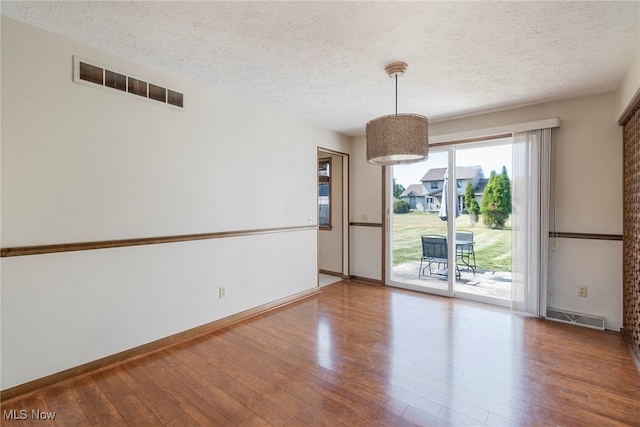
pixel 434 185
pixel 324 193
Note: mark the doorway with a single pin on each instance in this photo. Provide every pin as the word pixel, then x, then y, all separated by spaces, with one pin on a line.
pixel 332 216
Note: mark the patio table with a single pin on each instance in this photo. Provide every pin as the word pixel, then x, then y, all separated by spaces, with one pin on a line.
pixel 464 257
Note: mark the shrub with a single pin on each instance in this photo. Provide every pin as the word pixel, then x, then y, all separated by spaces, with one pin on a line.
pixel 400 206
pixel 471 204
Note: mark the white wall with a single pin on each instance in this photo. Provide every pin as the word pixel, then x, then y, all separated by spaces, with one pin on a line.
pixel 65 309
pixel 366 181
pixel 596 264
pixel 588 188
pixel 84 164
pixel 629 85
pixel 588 155
pixel 366 207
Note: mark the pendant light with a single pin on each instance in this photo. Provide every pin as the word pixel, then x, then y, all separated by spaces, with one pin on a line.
pixel 397 138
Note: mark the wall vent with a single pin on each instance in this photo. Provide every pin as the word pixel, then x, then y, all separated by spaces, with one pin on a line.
pixel 91 74
pixel 580 319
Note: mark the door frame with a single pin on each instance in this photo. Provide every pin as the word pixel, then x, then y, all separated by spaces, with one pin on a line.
pixel 343 218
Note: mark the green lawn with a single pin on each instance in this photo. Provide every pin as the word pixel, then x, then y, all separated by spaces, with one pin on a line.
pixel 492 247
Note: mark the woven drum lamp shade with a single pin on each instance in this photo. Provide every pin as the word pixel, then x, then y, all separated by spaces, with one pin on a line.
pixel 397 139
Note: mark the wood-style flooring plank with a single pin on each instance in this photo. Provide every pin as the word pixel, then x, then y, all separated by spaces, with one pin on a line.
pixel 61 400
pixel 124 400
pixel 23 410
pixel 342 373
pixel 160 403
pixel 361 355
pixel 341 389
pixel 292 380
pixel 194 405
pixel 203 383
pixel 422 418
pixel 256 390
pixel 94 403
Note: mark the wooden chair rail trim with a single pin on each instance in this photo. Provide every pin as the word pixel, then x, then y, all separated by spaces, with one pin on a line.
pixel 105 244
pixel 366 224
pixel 588 236
pixel 162 344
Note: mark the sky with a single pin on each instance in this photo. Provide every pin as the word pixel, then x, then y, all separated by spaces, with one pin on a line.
pixel 489 157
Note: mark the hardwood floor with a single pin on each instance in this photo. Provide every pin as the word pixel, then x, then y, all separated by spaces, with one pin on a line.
pixel 361 355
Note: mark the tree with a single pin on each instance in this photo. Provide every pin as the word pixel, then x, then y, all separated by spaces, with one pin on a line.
pixel 506 190
pixel 398 189
pixel 471 203
pixel 496 200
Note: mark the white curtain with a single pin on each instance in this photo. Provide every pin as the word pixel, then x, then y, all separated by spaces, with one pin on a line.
pixel 530 219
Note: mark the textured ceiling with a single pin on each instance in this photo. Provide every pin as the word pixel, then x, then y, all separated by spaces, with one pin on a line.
pixel 323 62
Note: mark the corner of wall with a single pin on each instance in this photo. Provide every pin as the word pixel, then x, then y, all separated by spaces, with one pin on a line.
pixel 629 87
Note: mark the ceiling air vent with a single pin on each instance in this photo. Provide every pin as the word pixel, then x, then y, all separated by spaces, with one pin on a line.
pixel 87 72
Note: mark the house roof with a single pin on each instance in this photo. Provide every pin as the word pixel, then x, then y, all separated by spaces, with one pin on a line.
pixel 462 172
pixel 323 62
pixel 417 190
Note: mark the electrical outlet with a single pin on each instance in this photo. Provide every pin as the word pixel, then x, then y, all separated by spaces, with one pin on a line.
pixel 363 218
pixel 582 291
pixel 222 292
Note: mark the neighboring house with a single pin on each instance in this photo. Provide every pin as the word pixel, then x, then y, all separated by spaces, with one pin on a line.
pixel 427 196
pixel 415 195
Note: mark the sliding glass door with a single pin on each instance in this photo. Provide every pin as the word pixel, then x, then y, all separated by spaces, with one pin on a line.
pixel 450 223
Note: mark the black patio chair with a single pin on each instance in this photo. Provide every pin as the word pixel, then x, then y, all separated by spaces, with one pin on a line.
pixel 434 250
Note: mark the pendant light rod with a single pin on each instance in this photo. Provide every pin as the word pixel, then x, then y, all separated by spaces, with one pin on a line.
pixel 396 94
pixel 394 70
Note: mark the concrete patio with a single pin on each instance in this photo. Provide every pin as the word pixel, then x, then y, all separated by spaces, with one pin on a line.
pixel 495 284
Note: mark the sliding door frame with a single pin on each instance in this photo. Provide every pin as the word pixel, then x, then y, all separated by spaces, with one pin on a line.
pixel 450 147
pixel 388 229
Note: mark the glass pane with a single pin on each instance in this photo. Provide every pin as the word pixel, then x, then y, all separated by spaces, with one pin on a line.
pixel 324 193
pixel 419 244
pixel 484 193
